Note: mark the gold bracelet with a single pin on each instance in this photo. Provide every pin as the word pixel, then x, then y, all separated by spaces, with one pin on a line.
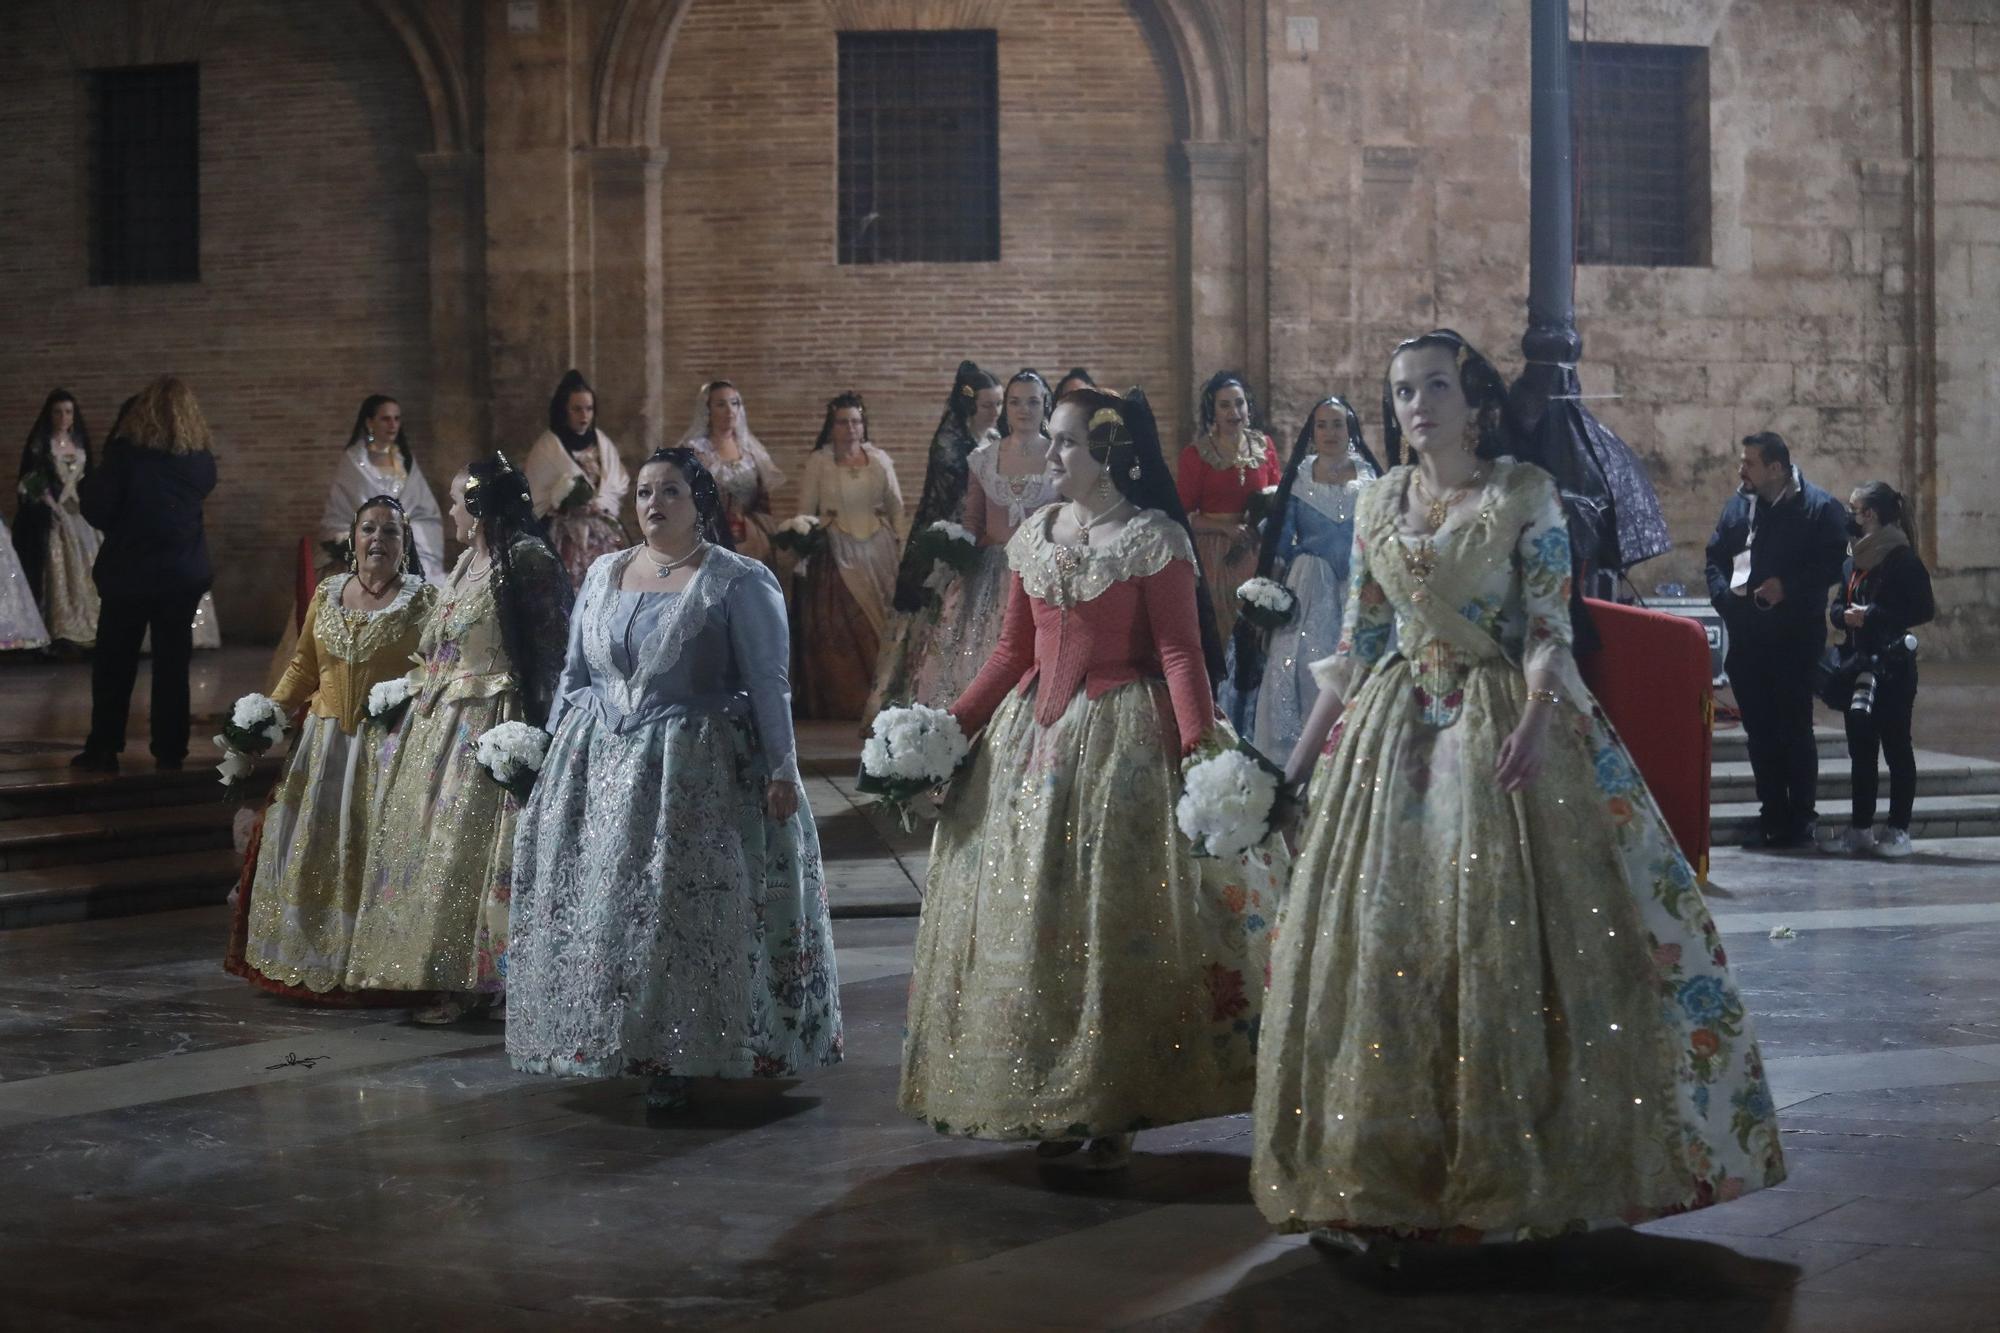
pixel 1549 697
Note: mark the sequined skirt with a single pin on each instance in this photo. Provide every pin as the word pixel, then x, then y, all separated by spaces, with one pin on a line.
pixel 1078 970
pixel 663 924
pixel 1495 1015
pixel 968 629
pixel 71 593
pixel 311 857
pixel 1288 690
pixel 441 858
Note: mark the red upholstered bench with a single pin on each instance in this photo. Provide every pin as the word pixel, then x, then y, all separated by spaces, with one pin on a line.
pixel 1652 677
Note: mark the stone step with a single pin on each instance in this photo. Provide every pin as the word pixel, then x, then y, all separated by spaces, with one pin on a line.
pixel 1938 774
pixel 57 894
pixel 1967 816
pixel 1730 745
pixel 52 787
pixel 35 842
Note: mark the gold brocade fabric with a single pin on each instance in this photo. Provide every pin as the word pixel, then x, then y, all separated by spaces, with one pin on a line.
pixel 440 864
pixel 1492 1014
pixel 309 862
pixel 1078 971
pixel 343 654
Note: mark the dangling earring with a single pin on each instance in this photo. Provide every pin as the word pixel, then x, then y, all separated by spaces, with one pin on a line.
pixel 1133 471
pixel 1470 440
pixel 353 562
pixel 371 437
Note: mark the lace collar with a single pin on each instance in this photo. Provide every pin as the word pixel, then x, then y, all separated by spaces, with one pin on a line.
pixel 687 617
pixel 1072 575
pixel 1021 495
pixel 351 635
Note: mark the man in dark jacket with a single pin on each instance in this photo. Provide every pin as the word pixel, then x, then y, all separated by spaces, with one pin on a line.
pixel 1777 548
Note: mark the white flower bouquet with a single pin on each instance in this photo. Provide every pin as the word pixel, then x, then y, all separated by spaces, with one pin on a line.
pixel 1232 801
pixel 908 752
pixel 386 698
pixel 804 535
pixel 512 753
pixel 255 724
pixel 1266 603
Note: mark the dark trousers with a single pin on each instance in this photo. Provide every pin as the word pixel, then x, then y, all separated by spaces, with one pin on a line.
pixel 122 623
pixel 1773 683
pixel 1885 730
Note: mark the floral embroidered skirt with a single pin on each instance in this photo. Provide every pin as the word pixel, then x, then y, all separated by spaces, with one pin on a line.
pixel 968 630
pixel 845 625
pixel 663 924
pixel 1078 970
pixel 1227 559
pixel 301 898
pixel 441 857
pixel 70 591
pixel 1497 1016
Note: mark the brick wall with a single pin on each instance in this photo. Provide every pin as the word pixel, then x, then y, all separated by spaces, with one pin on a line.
pixel 1088 232
pixel 313 289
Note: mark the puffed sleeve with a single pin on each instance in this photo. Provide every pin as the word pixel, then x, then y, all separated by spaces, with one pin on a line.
pixel 574 678
pixel 1189 471
pixel 1542 562
pixel 1012 657
pixel 809 485
pixel 1366 625
pixel 300 682
pixel 1172 610
pixel 892 493
pixel 762 644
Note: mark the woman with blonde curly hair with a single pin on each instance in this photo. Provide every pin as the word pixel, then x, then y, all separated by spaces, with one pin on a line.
pixel 152 570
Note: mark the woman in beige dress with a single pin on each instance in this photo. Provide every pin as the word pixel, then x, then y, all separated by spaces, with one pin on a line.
pixel 843 606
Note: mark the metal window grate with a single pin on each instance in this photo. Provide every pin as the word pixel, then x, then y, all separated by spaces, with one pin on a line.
pixel 145 175
pixel 919 147
pixel 1642 154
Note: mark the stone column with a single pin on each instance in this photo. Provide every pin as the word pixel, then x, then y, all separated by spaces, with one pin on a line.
pixel 628 298
pixel 1218 305
pixel 459 428
pixel 532 204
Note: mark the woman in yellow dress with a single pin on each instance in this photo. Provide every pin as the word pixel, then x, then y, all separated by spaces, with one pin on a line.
pixel 436 890
pixel 295 905
pixel 1499 1007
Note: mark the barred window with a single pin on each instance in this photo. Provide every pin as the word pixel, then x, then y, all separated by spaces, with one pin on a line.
pixel 145 175
pixel 919 147
pixel 1642 154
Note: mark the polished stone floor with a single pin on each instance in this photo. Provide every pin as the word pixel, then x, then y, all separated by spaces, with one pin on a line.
pixel 180 1151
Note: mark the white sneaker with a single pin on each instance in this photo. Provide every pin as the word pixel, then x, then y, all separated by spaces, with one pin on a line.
pixel 1852 842
pixel 1894 842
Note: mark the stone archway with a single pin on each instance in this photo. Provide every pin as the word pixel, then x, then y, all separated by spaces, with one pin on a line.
pixel 1197 53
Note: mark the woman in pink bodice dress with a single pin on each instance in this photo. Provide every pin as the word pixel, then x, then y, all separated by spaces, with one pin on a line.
pixel 1228 464
pixel 1079 973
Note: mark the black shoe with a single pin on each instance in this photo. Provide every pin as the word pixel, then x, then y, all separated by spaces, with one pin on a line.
pixel 92 762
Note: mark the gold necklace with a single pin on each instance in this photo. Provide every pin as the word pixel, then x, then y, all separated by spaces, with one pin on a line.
pixel 1438 507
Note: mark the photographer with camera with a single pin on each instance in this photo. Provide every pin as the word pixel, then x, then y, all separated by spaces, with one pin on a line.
pixel 1885 593
pixel 1776 550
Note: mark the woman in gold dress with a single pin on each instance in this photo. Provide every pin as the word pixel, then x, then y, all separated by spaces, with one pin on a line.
pixel 845 590
pixel 295 905
pixel 1499 1008
pixel 441 855
pixel 1080 974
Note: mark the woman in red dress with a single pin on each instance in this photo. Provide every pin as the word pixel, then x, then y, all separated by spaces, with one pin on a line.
pixel 1228 463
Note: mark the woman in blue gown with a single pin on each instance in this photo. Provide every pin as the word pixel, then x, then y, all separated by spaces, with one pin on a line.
pixel 1307 540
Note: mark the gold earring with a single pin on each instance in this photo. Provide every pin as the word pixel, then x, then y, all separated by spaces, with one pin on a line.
pixel 1470 440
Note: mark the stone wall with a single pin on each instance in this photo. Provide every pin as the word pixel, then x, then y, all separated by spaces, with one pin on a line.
pixel 313 290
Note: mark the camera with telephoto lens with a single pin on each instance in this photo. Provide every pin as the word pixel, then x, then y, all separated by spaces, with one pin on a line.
pixel 1873 666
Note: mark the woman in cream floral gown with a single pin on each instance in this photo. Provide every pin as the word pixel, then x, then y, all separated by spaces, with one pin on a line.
pixel 1079 973
pixel 441 856
pixel 1499 1007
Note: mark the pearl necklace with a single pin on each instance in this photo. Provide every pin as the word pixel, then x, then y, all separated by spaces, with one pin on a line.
pixel 663 568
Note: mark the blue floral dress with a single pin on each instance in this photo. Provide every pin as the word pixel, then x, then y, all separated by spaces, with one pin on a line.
pixel 1492 1014
pixel 662 924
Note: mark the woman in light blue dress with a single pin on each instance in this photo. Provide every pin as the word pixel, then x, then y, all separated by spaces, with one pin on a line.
pixel 1308 538
pixel 670 911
